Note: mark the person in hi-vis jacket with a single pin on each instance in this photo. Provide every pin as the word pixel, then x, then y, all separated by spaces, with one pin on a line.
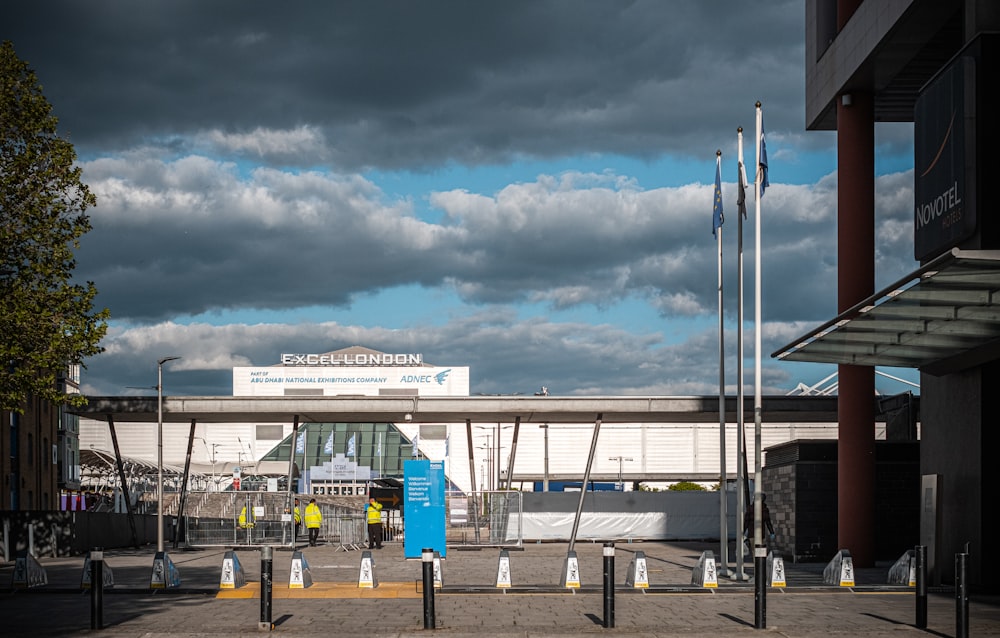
pixel 374 524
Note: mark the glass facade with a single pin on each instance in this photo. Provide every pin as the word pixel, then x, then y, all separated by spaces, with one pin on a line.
pixel 377 445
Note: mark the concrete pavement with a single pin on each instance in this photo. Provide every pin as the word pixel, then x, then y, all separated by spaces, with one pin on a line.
pixel 469 603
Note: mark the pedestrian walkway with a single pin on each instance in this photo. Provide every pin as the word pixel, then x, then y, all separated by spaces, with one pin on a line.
pixel 536 603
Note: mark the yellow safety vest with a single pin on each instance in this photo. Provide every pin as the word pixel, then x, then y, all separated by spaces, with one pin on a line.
pixel 374 513
pixel 313 516
pixel 298 515
pixel 243 518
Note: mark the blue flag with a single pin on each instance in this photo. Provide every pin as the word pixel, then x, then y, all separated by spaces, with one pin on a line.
pixel 328 448
pixel 741 198
pixel 300 443
pixel 762 169
pixel 350 445
pixel 717 217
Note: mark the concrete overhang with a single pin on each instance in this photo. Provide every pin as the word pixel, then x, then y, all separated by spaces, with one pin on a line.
pixel 942 318
pixel 889 48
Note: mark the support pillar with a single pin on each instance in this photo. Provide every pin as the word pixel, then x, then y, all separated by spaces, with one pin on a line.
pixel 855 282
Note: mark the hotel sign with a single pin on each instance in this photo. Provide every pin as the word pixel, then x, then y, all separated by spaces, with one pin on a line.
pixel 944 145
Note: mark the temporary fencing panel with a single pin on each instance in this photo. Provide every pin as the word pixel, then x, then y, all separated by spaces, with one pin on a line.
pixel 267 520
pixel 244 518
pixel 485 519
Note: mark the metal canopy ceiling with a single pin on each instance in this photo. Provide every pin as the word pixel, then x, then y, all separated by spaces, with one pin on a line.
pixel 941 318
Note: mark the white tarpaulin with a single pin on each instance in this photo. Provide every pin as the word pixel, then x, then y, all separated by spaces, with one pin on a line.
pixel 632 515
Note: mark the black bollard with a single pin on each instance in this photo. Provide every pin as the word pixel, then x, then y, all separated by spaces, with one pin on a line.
pixel 760 586
pixel 266 571
pixel 97 588
pixel 921 593
pixel 609 585
pixel 427 555
pixel 961 595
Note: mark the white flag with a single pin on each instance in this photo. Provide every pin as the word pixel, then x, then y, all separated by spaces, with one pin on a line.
pixel 300 443
pixel 328 448
pixel 416 439
pixel 350 445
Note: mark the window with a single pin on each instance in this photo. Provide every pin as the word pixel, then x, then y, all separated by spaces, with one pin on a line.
pixel 269 432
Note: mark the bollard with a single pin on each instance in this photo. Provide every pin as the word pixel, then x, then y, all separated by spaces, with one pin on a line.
pixel 266 571
pixel 427 555
pixel 609 585
pixel 760 586
pixel 921 593
pixel 97 588
pixel 961 595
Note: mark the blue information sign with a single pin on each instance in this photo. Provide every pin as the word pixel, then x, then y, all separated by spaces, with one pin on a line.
pixel 423 507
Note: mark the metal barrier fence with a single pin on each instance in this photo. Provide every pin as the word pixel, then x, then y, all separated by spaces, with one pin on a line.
pixel 256 519
pixel 247 518
pixel 351 530
pixel 490 519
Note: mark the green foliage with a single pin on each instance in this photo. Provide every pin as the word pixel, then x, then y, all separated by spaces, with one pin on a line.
pixel 686 486
pixel 47 321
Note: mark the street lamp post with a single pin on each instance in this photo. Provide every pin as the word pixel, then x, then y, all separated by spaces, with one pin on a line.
pixel 545 475
pixel 210 448
pixel 620 459
pixel 159 451
pixel 214 480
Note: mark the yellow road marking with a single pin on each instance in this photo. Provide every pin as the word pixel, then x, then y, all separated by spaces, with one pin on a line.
pixel 326 590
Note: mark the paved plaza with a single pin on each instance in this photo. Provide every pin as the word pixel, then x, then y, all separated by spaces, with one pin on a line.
pixel 469 603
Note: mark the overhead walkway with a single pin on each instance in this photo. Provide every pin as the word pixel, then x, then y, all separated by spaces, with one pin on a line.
pixel 546 409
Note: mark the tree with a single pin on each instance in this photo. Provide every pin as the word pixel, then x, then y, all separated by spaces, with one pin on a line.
pixel 47 321
pixel 686 486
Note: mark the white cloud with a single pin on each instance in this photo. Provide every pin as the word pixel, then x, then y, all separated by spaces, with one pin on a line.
pixel 273 145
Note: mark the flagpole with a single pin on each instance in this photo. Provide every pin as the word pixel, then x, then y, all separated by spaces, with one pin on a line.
pixel 333 455
pixel 740 416
pixel 717 225
pixel 760 550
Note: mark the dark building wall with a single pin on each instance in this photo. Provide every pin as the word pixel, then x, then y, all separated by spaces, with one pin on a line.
pixel 55 534
pixel 954 450
pixel 800 479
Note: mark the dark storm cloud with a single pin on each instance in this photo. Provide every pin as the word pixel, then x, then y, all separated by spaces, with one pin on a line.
pixel 191 236
pixel 414 84
pixel 226 143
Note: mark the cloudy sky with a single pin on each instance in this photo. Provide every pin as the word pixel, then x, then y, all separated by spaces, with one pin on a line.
pixel 523 187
